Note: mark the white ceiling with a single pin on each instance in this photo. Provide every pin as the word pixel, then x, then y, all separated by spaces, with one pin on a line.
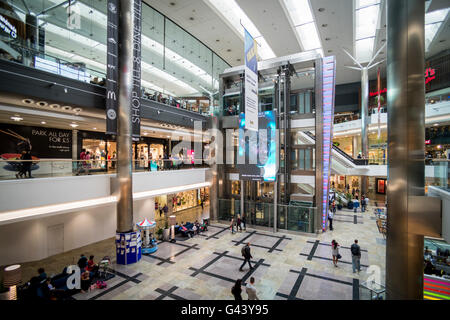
pixel 334 23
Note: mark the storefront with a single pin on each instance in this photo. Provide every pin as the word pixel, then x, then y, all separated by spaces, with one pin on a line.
pixel 190 199
pixel 103 151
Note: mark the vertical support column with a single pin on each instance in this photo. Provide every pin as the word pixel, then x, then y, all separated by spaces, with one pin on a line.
pixel 319 146
pixel 364 122
pixel 128 243
pixel 406 136
pixel 287 135
pixel 365 112
pixel 275 205
pixel 242 197
pixel 124 151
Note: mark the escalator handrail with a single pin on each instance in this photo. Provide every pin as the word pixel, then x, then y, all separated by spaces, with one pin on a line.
pixel 343 153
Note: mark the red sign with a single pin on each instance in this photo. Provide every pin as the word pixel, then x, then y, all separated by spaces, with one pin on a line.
pixel 427 141
pixel 429 75
pixel 372 94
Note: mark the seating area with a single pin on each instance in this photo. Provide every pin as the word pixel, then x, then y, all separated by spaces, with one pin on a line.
pixel 189 229
pixel 55 287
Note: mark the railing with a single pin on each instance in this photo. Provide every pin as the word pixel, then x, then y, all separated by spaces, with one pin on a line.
pixel 42 61
pixel 289 217
pixel 43 168
pixel 357 162
pixel 441 172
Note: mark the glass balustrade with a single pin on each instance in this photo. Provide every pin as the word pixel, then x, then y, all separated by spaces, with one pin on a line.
pixel 41 168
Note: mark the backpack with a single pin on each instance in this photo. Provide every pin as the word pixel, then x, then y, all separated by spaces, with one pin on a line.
pixel 243 251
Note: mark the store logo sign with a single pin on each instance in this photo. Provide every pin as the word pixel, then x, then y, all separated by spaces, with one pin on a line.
pixel 372 94
pixel 430 74
pixel 6 26
pixel 427 141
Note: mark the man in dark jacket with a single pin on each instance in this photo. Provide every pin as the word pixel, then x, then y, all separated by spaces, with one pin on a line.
pixel 247 255
pixel 27 163
pixel 356 256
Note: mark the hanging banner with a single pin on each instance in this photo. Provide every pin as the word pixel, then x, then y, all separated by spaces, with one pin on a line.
pixel 251 83
pixel 136 91
pixel 112 72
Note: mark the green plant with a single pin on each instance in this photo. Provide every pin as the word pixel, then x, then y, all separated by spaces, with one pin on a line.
pixel 166 225
pixel 348 196
pixel 339 201
pixel 160 231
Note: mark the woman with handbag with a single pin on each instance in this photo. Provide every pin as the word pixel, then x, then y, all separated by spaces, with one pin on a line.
pixel 335 252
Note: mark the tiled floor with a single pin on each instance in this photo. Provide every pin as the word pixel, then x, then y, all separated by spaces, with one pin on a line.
pixel 286 266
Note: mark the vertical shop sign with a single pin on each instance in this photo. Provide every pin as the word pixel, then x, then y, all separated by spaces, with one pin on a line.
pixel 112 72
pixel 136 91
pixel 328 84
pixel 251 83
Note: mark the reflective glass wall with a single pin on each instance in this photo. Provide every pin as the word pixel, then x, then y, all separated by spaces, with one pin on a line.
pixel 69 38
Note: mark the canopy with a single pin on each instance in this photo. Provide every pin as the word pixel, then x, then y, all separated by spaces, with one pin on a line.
pixel 146 224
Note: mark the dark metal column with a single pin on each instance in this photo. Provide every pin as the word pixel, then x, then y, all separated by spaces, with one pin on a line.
pixel 124 145
pixel 406 137
pixel 286 74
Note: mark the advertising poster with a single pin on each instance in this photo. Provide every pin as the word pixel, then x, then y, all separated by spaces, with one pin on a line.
pixel 251 83
pixel 44 143
pixel 257 155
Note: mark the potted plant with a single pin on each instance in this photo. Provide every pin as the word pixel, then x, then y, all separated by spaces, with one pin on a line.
pixel 166 231
pixel 339 203
pixel 159 233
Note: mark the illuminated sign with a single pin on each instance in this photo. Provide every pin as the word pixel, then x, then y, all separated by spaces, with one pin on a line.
pixel 430 74
pixel 6 26
pixel 372 94
pixel 427 141
pixel 328 83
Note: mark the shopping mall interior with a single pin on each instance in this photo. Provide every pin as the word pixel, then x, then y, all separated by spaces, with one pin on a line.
pixel 151 149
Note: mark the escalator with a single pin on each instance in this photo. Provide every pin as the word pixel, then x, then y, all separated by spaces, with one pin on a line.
pixel 341 162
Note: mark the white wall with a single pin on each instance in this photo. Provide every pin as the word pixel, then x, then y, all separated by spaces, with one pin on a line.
pixel 29 193
pixel 27 240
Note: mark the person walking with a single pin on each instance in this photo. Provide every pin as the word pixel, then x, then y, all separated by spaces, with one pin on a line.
pixel 251 290
pixel 244 221
pixel 247 256
pixel 238 223
pixel 333 206
pixel 363 203
pixel 232 226
pixel 356 256
pixel 330 218
pixel 335 252
pixel 81 163
pixel 366 202
pixel 27 163
pixel 237 290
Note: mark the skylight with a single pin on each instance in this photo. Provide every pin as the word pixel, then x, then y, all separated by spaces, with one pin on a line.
pixel 302 20
pixel 366 22
pixel 235 16
pixel 433 22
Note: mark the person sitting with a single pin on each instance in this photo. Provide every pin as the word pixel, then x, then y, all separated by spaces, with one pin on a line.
pixel 82 262
pixel 42 275
pixel 92 267
pixel 85 281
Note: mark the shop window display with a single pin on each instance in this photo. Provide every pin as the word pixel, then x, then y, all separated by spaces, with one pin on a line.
pixel 97 150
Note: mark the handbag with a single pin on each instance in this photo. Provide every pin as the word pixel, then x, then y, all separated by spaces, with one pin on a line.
pixel 338 256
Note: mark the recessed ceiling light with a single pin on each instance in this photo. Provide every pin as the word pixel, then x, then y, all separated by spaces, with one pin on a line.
pixel 43 122
pixel 325 25
pixel 321 9
pixel 42 103
pixel 436 124
pixel 28 101
pixel 73 125
pixel 95 128
pixel 17 118
pixel 66 108
pixel 55 106
pixel 77 110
